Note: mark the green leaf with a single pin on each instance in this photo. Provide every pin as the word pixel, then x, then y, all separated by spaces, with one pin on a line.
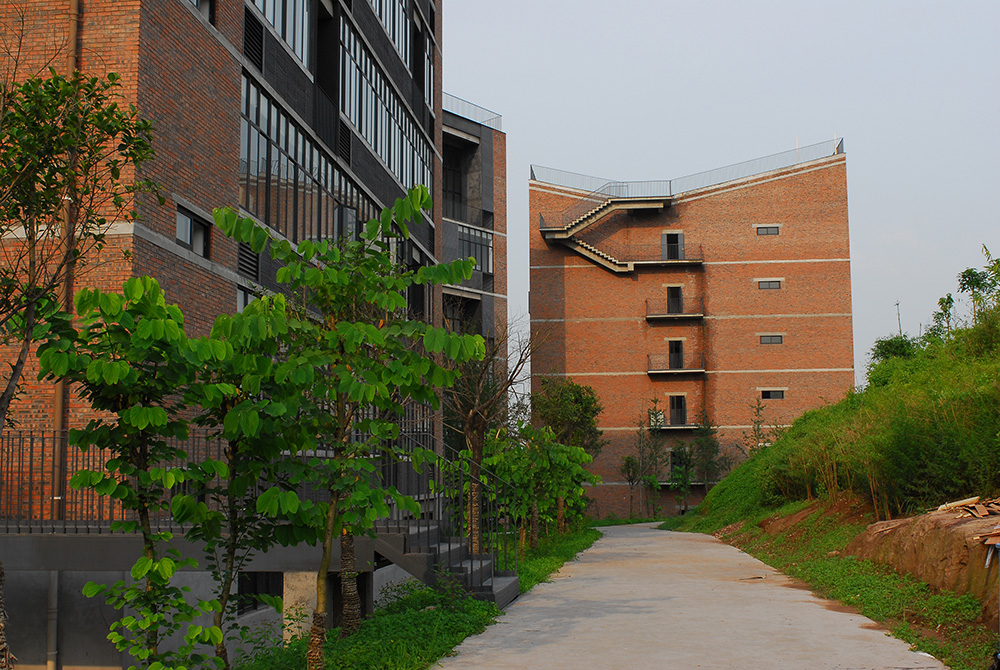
pixel 141 567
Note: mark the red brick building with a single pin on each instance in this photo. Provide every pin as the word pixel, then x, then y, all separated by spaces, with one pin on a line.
pixel 706 293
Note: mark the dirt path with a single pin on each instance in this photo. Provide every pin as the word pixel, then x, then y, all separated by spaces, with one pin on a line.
pixel 643 598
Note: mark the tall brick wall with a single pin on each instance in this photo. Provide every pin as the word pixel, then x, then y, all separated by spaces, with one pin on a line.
pixel 595 331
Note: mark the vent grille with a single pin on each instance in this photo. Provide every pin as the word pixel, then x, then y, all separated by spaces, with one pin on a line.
pixel 247 262
pixel 344 142
pixel 253 39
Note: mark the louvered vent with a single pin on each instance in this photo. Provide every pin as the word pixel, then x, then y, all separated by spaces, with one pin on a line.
pixel 344 142
pixel 247 262
pixel 253 39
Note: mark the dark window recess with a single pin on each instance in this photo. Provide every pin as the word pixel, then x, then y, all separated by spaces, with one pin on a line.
pixel 769 284
pixel 192 232
pixel 247 262
pixel 768 230
pixel 675 300
pixel 253 39
pixel 772 395
pixel 680 459
pixel 206 8
pixel 250 585
pixel 672 246
pixel 676 354
pixel 346 224
pixel 678 410
pixel 344 142
pixel 771 339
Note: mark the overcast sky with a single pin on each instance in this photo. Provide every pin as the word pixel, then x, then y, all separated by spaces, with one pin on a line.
pixel 655 89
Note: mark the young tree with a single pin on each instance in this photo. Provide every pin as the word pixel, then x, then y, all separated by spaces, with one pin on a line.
pixel 478 402
pixel 364 359
pixel 707 460
pixel 681 474
pixel 130 361
pixel 643 468
pixel 756 437
pixel 68 156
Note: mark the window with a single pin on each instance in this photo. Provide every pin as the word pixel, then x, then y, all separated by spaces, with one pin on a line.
pixel 678 410
pixel 771 339
pixel 772 394
pixel 676 348
pixel 249 585
pixel 768 230
pixel 477 244
pixel 672 246
pixel 243 298
pixel 675 300
pixel 769 284
pixel 290 19
pixel 206 8
pixel 192 232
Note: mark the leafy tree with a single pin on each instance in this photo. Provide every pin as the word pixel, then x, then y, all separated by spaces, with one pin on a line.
pixel 571 410
pixel 478 402
pixel 543 472
pixel 894 346
pixel 681 474
pixel 644 466
pixel 756 438
pixel 353 344
pixel 707 461
pixel 252 416
pixel 68 155
pixel 130 359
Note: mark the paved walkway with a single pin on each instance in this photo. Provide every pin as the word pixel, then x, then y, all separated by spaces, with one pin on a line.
pixel 641 598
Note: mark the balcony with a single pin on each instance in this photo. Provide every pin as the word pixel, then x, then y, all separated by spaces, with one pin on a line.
pixel 673 364
pixel 672 419
pixel 669 309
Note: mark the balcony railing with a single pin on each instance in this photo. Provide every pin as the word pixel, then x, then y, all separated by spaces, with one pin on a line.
pixel 463 213
pixel 674 364
pixel 650 253
pixel 600 191
pixel 472 111
pixel 664 308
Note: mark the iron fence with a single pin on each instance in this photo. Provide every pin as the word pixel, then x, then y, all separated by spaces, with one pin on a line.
pixel 472 111
pixel 35 496
pixel 673 307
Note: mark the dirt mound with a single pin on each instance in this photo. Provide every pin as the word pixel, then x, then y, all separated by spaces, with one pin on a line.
pixel 939 549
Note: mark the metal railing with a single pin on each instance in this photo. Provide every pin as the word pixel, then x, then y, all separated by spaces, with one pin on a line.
pixel 646 253
pixel 673 363
pixel 463 213
pixel 667 307
pixel 601 191
pixel 472 111
pixel 32 501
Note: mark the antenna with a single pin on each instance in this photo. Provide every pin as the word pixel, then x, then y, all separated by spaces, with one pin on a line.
pixel 899 322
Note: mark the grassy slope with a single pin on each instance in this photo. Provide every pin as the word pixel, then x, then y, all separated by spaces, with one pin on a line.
pixel 925 431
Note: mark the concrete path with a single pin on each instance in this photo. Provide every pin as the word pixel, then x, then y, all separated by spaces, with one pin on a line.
pixel 641 598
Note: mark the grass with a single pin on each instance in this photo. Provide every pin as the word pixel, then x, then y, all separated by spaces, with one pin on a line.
pixel 942 624
pixel 417 625
pixel 616 521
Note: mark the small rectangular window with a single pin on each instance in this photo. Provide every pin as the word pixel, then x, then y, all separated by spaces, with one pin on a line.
pixel 768 230
pixel 243 298
pixel 771 339
pixel 772 395
pixel 678 410
pixel 192 232
pixel 766 284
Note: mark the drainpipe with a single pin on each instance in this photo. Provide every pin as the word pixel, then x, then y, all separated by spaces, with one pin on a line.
pixel 66 297
pixel 52 642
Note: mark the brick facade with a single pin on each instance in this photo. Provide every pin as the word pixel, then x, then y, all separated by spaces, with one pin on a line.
pixel 594 320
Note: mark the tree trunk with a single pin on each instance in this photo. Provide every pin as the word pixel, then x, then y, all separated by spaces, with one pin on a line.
pixel 534 524
pixel 522 540
pixel 561 514
pixel 14 380
pixel 350 613
pixel 6 658
pixel 315 657
pixel 631 496
pixel 229 568
pixel 474 440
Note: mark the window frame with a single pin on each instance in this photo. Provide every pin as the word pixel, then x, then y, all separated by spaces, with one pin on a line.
pixel 771 229
pixel 194 223
pixel 772 394
pixel 769 338
pixel 769 284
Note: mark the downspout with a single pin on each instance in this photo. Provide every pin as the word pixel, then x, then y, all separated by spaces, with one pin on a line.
pixel 52 636
pixel 59 404
pixel 59 408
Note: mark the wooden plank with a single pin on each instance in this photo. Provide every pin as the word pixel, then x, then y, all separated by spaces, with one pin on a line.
pixel 980 511
pixel 958 503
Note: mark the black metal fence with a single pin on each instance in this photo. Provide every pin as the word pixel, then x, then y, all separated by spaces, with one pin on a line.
pixel 35 495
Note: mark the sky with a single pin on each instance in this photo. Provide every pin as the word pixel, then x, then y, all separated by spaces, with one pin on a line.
pixel 656 89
